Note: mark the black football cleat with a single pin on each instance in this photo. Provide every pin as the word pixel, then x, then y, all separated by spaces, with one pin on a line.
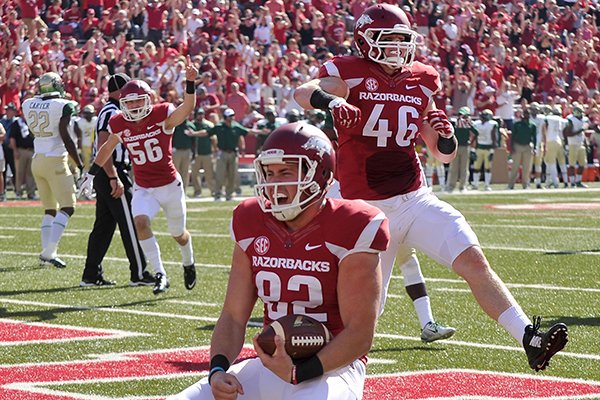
pixel 161 284
pixel 147 280
pixel 189 276
pixel 98 282
pixel 57 262
pixel 541 346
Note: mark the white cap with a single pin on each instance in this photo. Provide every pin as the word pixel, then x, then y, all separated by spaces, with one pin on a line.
pixel 195 11
pixel 228 113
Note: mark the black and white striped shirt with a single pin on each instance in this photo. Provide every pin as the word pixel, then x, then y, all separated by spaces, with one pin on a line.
pixel 110 108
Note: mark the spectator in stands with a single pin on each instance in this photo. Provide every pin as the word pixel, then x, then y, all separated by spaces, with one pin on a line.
pixel 238 102
pixel 89 23
pixel 505 102
pixel 156 11
pixel 209 102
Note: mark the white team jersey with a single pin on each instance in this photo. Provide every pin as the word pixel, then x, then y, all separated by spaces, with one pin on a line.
pixel 485 130
pixel 556 125
pixel 43 117
pixel 88 131
pixel 539 122
pixel 578 125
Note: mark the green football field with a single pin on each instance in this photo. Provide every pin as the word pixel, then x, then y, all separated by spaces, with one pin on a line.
pixel 544 244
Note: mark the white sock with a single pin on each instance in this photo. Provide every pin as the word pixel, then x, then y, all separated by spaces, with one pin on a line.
pixel 45 229
pixel 423 309
pixel 514 321
pixel 487 178
pixel 476 176
pixel 565 177
pixel 537 181
pixel 441 176
pixel 429 175
pixel 152 252
pixel 57 229
pixel 578 178
pixel 187 253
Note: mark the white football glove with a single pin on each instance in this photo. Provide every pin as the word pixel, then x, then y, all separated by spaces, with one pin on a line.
pixel 86 183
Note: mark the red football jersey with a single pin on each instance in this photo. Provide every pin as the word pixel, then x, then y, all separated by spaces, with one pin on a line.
pixel 376 159
pixel 149 146
pixel 296 272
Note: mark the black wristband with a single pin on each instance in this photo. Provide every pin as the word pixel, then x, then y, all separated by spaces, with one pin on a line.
pixel 94 169
pixel 112 178
pixel 190 87
pixel 218 363
pixel 321 99
pixel 309 369
pixel 446 145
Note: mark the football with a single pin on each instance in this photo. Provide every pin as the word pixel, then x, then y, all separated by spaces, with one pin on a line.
pixel 304 336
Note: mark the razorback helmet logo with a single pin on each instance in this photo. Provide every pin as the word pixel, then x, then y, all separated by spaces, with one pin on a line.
pixel 364 20
pixel 317 144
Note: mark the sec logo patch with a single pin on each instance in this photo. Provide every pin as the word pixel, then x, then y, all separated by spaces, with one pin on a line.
pixel 261 245
pixel 371 84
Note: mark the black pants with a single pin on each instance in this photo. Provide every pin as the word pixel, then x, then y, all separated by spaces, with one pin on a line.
pixel 109 213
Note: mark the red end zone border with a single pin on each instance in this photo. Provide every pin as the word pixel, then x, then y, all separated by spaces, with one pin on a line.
pixel 39 381
pixel 13 332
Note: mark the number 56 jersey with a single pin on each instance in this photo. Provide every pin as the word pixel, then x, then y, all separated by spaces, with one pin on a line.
pixel 376 159
pixel 297 272
pixel 149 146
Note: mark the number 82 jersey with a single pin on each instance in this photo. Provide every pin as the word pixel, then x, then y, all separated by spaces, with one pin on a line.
pixel 376 159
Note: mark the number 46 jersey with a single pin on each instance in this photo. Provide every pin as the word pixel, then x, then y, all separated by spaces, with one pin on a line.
pixel 376 159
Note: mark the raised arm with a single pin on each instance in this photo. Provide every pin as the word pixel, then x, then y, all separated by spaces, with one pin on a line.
pixel 182 112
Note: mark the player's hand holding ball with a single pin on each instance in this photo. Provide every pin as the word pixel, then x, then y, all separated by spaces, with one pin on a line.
pixel 293 337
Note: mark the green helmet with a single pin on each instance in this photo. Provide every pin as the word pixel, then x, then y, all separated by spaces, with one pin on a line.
pixel 487 115
pixel 464 111
pixel 51 85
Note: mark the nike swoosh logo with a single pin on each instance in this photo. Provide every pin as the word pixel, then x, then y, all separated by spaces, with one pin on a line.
pixel 410 87
pixel 308 247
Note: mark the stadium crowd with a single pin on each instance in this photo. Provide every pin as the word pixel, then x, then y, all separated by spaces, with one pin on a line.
pixel 498 55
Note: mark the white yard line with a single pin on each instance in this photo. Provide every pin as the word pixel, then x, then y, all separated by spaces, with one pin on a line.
pixel 87 231
pixel 595 357
pixel 510 285
pixel 211 319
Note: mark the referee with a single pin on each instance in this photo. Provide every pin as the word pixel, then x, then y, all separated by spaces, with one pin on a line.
pixel 113 188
